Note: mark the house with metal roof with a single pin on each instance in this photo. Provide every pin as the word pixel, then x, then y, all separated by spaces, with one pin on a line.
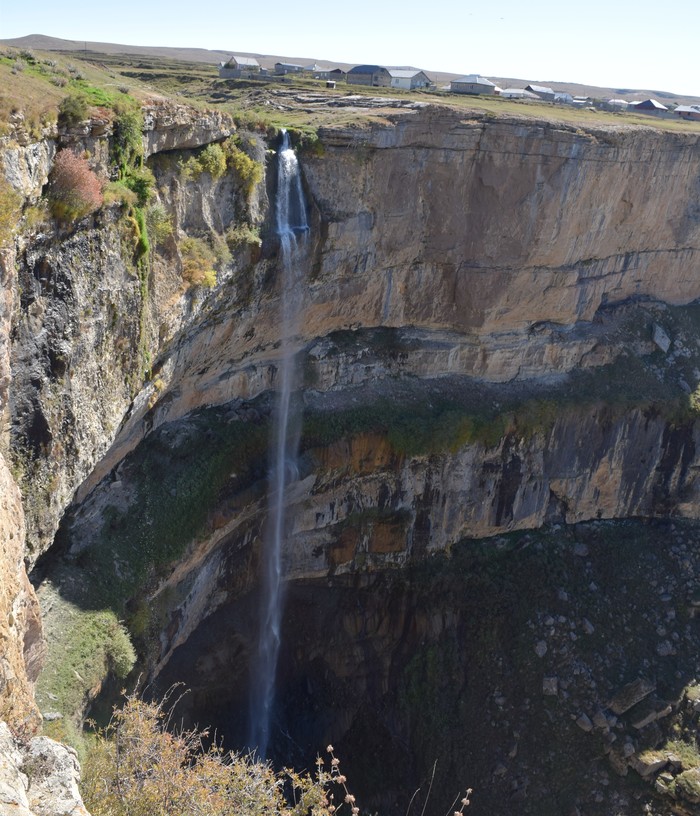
pixel 408 78
pixel 542 91
pixel 472 84
pixel 239 66
pixel 648 106
pixel 375 75
pixel 283 68
pixel 518 93
pixel 688 112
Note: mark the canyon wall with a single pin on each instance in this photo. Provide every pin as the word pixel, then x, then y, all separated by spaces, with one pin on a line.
pixel 497 334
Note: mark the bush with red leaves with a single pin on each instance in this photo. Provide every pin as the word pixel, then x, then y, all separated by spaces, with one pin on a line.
pixel 74 190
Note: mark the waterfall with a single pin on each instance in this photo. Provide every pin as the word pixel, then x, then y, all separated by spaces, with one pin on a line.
pixel 292 228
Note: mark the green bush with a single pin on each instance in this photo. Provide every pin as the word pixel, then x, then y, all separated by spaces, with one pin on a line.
pixel 241 234
pixel 116 192
pixel 143 246
pixel 141 181
pixel 191 169
pixel 159 224
pixel 127 139
pixel 72 110
pixel 249 172
pixel 213 161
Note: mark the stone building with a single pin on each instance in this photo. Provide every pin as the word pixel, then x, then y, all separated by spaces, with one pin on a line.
pixel 472 84
pixel 375 75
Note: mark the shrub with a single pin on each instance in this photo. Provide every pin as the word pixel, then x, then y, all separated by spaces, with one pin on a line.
pixel 136 767
pixel 198 262
pixel 143 246
pixel 72 110
pixel 74 190
pixel 36 216
pixel 10 209
pixel 249 172
pixel 159 223
pixel 127 140
pixel 242 234
pixel 191 169
pixel 213 161
pixel 141 181
pixel 116 192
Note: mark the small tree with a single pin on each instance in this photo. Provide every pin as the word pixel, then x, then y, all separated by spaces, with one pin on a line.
pixel 74 190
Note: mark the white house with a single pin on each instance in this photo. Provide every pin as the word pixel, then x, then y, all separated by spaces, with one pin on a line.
pixel 408 78
pixel 238 66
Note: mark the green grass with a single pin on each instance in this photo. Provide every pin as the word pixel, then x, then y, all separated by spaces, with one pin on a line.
pixel 83 645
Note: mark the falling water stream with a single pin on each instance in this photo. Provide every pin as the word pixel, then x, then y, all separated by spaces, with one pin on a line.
pixel 292 228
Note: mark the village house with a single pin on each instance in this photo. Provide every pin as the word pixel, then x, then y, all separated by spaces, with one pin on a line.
pixel 518 93
pixel 408 79
pixel 541 91
pixel 563 98
pixel 472 84
pixel 284 68
pixel 688 112
pixel 375 75
pixel 238 67
pixel 319 71
pixel 647 106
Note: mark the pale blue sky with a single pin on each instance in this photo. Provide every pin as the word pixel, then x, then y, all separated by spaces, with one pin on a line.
pixel 620 44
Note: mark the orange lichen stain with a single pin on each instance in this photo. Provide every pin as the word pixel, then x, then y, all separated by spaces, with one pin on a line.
pixel 343 548
pixel 387 537
pixel 362 454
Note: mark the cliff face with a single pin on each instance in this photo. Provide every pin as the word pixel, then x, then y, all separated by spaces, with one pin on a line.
pixel 20 621
pixel 496 334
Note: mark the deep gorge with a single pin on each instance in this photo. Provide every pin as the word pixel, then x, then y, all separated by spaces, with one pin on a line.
pixel 494 529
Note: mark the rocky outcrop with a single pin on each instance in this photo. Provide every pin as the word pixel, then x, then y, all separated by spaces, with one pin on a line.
pixel 39 778
pixel 177 127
